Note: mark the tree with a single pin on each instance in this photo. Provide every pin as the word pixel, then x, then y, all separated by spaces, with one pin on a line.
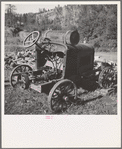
pixel 25 18
pixel 40 10
pixel 10 13
pixel 10 9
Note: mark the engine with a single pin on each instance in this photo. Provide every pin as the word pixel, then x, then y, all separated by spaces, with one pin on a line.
pixel 52 68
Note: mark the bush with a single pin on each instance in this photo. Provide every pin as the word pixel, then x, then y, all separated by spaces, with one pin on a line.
pixel 104 44
pixel 30 27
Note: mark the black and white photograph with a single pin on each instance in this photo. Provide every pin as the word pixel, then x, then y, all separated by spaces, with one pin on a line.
pixel 60 59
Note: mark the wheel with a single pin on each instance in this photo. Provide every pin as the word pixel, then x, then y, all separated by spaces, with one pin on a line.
pixel 18 73
pixel 25 81
pixel 107 78
pixel 31 39
pixel 61 93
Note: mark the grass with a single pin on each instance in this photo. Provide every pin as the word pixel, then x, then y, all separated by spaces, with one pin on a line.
pixel 95 102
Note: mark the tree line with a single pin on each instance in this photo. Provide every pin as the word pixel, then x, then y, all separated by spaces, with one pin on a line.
pixel 96 23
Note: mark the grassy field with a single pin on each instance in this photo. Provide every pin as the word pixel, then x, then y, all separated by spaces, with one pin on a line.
pixel 19 101
pixel 95 101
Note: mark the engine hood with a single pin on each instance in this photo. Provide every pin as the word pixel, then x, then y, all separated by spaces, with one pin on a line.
pixel 81 47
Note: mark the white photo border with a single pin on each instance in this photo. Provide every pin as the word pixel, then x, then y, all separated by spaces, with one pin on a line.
pixel 35 131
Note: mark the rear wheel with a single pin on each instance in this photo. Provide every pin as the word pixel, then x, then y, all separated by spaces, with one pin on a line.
pixel 19 75
pixel 25 81
pixel 62 92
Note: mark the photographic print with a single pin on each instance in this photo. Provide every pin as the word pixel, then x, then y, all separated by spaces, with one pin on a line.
pixel 60 64
pixel 68 52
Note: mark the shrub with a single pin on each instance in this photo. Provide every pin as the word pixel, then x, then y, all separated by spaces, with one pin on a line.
pixel 104 44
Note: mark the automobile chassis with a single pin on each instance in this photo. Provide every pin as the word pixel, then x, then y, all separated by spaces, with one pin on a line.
pixel 60 62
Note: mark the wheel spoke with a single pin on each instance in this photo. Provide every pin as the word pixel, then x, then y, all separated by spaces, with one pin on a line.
pixel 108 81
pixel 20 69
pixel 23 68
pixel 14 80
pixel 55 102
pixel 17 73
pixel 105 85
pixel 56 93
pixel 106 77
pixel 55 96
pixel 64 105
pixel 55 106
pixel 60 94
pixel 68 87
pixel 59 106
pixel 57 90
pixel 71 95
pixel 27 69
pixel 62 88
pixel 17 70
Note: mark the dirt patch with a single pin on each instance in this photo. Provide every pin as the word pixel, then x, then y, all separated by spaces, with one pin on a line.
pixel 112 56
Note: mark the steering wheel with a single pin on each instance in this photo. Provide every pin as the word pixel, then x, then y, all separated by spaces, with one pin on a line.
pixel 31 39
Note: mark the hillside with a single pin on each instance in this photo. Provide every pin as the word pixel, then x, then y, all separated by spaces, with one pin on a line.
pixel 97 24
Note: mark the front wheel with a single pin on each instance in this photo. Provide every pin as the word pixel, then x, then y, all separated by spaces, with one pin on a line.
pixel 107 78
pixel 62 93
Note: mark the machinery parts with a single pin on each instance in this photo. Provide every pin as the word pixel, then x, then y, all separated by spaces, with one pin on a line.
pixel 19 76
pixel 107 77
pixel 69 37
pixel 61 93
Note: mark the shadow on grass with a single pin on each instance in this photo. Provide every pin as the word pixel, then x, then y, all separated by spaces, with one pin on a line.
pixel 76 103
pixel 87 85
pixel 80 102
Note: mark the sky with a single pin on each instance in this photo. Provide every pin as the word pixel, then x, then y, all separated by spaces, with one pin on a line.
pixel 26 7
pixel 34 7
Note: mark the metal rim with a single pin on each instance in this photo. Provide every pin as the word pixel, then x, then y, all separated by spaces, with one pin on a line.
pixel 60 95
pixel 106 78
pixel 16 74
